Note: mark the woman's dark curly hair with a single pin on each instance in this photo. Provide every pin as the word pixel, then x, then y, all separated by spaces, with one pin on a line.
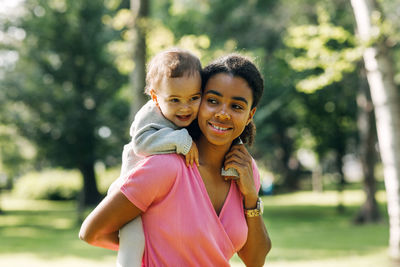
pixel 239 66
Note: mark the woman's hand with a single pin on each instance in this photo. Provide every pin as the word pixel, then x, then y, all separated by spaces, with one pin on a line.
pixel 239 158
pixel 258 244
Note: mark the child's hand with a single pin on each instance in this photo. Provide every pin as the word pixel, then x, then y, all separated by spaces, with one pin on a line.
pixel 192 156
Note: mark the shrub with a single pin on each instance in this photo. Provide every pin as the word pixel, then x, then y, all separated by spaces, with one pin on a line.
pixel 58 184
pixel 51 184
pixel 105 177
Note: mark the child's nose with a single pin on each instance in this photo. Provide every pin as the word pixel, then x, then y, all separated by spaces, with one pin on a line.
pixel 185 106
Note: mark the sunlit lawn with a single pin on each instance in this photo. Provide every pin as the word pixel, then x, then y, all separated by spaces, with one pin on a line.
pixel 305 228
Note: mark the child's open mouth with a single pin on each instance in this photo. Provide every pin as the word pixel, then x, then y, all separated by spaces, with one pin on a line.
pixel 184 117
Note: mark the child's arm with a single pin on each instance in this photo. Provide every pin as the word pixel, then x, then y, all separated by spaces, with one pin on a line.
pixel 166 140
pixel 192 156
pixel 153 139
pixel 153 134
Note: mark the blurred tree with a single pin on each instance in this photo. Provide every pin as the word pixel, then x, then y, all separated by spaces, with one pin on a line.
pixel 386 99
pixel 16 154
pixel 324 53
pixel 63 93
pixel 140 10
pixel 369 211
pixel 375 39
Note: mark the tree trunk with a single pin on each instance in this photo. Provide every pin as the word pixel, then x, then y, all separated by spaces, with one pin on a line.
pixel 386 100
pixel 290 165
pixel 89 194
pixel 341 181
pixel 369 211
pixel 316 179
pixel 140 10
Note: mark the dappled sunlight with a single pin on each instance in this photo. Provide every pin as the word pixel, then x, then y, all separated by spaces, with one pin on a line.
pixel 13 203
pixel 62 223
pixel 305 228
pixel 327 198
pixel 72 75
pixel 32 260
pixel 378 258
pixel 25 232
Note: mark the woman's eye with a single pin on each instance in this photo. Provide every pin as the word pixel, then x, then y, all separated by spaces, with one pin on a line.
pixel 238 107
pixel 212 101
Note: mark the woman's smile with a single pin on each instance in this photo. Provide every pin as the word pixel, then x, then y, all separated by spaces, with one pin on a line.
pixel 219 128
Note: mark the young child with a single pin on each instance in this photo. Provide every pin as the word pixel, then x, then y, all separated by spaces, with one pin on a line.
pixel 173 81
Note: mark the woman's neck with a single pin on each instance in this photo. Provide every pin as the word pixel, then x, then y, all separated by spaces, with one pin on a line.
pixel 211 156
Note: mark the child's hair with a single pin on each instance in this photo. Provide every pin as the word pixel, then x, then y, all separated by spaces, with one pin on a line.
pixel 239 66
pixel 171 63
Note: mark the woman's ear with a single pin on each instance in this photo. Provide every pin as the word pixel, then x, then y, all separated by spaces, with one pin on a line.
pixel 153 96
pixel 252 112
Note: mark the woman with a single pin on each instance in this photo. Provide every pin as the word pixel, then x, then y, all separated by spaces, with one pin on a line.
pixel 196 216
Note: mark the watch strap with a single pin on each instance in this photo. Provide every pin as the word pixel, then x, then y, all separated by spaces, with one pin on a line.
pixel 255 212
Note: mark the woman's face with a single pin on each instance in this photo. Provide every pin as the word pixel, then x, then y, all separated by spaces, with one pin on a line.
pixel 225 108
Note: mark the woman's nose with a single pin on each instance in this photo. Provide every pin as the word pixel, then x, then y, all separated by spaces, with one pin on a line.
pixel 223 115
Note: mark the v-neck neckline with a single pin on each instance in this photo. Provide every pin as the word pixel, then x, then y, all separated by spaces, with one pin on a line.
pixel 205 192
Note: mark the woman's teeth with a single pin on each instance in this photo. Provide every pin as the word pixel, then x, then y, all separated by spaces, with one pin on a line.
pixel 219 128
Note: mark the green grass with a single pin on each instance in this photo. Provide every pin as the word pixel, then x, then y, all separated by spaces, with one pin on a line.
pixel 45 233
pixel 305 228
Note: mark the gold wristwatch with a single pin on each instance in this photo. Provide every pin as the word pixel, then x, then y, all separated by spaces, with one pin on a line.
pixel 257 211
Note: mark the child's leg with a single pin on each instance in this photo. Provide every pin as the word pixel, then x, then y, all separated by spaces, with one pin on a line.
pixel 131 236
pixel 129 160
pixel 131 244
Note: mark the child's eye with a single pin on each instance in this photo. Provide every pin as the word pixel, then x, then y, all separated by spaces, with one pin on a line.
pixel 174 100
pixel 195 98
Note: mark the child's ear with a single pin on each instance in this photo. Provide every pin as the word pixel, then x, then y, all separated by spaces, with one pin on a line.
pixel 153 96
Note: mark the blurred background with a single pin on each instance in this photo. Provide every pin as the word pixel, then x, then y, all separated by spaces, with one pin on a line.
pixel 328 126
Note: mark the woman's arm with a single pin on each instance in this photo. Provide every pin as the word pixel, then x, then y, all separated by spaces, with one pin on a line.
pixel 258 243
pixel 101 227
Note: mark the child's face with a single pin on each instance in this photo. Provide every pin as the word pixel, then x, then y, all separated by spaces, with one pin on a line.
pixel 179 99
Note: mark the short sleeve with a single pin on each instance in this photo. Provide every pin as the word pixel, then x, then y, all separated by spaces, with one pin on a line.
pixel 256 175
pixel 151 180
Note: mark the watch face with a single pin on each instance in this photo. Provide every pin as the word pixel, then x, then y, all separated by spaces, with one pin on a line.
pixel 260 206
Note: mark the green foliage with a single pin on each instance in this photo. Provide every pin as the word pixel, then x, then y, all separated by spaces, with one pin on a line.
pixel 68 93
pixel 65 84
pixel 64 91
pixel 49 184
pixel 105 177
pixel 58 184
pixel 16 153
pixel 325 50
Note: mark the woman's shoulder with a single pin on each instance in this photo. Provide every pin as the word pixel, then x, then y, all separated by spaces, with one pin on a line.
pixel 152 179
pixel 164 162
pixel 168 158
pixel 157 170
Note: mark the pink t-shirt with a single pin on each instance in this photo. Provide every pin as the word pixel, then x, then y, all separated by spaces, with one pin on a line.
pixel 180 225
